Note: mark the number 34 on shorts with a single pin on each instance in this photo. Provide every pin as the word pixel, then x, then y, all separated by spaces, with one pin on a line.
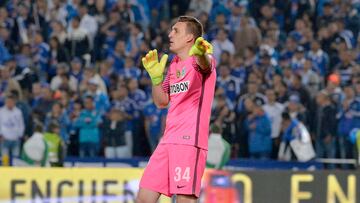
pixel 182 174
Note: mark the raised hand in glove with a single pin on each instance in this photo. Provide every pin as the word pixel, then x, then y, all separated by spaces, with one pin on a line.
pixel 201 47
pixel 154 67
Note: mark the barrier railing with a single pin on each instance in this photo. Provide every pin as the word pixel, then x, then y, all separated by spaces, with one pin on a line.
pixel 233 164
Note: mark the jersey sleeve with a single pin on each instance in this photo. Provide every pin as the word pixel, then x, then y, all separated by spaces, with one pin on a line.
pixel 208 70
pixel 166 83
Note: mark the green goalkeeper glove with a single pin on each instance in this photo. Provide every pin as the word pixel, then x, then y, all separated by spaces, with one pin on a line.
pixel 201 47
pixel 154 67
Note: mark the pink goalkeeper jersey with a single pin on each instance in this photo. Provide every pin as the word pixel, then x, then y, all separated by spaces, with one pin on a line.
pixel 191 93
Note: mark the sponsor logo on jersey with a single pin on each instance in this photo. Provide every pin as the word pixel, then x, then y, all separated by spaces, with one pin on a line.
pixel 179 87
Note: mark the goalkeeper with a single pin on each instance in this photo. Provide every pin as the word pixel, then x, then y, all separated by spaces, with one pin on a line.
pixel 178 162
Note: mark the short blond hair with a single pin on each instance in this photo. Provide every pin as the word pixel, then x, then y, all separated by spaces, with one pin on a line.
pixel 193 25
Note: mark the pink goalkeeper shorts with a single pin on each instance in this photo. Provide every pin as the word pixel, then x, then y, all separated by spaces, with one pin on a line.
pixel 175 169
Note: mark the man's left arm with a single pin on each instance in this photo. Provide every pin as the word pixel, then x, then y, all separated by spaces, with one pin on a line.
pixel 202 50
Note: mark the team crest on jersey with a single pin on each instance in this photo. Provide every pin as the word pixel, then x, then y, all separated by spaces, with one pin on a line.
pixel 182 73
pixel 179 87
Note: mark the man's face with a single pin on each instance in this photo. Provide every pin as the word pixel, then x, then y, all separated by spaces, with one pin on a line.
pixel 4 33
pixel 88 103
pixel 5 73
pixel 120 46
pixel 179 37
pixel 10 103
pixel 75 24
pixel 285 124
pixel 315 45
pixel 93 87
pixel 270 95
pixel 221 36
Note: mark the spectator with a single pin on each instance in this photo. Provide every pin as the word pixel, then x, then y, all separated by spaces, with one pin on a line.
pixel 238 70
pixel 107 75
pixel 274 110
pixel 310 79
pixel 99 11
pixel 319 58
pixel 90 73
pixel 298 88
pixel 223 116
pixel 222 43
pixel 220 23
pixel 130 71
pixel 250 56
pixel 136 94
pixel 259 128
pixel 57 116
pixel 326 133
pixel 111 31
pixel 252 93
pixel 121 100
pixel 55 144
pixel 89 134
pixel 298 60
pixel 12 127
pixel 267 15
pixel 282 92
pixel 267 68
pixel 35 94
pixel 140 99
pixel 8 83
pixel 41 56
pixel 73 114
pixel 219 149
pixel 200 6
pixel 76 69
pixel 61 70
pixel 334 90
pixel 4 51
pixel 296 141
pixel 26 112
pixel 295 108
pixel 88 23
pixel 238 10
pixel 347 121
pixel 77 40
pixel 154 119
pixel 101 100
pixel 24 57
pixel 58 32
pixel 135 39
pixel 117 56
pixel 57 55
pixel 225 58
pixel 22 23
pixel 247 36
pixel 116 136
pixel 299 33
pixel 229 83
pixel 36 150
pixel 326 17
pixel 44 103
pixel 345 67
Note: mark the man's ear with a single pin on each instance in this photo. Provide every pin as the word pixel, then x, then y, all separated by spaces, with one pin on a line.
pixel 190 38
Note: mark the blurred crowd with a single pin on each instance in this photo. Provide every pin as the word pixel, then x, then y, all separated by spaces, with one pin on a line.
pixel 71 68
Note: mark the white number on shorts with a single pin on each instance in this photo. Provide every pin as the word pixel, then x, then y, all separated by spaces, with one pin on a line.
pixel 184 176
